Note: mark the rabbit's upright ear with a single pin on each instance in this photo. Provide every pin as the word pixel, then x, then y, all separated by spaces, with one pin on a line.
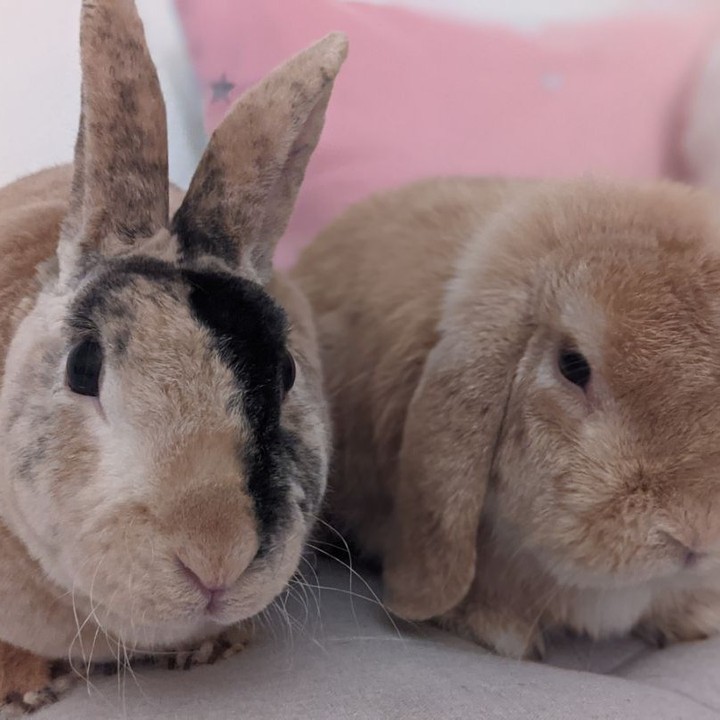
pixel 244 189
pixel 451 434
pixel 120 184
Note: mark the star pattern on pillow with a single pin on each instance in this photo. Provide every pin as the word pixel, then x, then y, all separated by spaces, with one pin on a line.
pixel 221 89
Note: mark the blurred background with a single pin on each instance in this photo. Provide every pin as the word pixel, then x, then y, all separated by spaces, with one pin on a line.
pixel 627 88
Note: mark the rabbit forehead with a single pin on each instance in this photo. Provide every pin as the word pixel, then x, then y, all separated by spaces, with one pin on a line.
pixel 156 303
pixel 642 315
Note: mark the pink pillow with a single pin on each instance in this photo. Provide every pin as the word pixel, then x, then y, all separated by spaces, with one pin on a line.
pixel 421 96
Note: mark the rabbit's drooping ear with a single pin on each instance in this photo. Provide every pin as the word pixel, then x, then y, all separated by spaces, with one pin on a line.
pixel 120 184
pixel 451 433
pixel 244 189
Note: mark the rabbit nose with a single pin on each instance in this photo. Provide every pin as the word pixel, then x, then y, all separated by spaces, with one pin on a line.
pixel 214 575
pixel 207 588
pixel 214 536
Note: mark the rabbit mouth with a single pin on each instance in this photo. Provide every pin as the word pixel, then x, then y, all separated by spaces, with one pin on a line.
pixel 200 622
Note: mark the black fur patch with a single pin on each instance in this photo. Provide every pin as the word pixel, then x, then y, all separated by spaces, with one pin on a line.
pixel 270 471
pixel 307 470
pixel 250 331
pixel 194 240
pixel 270 479
pixel 202 228
pixel 269 486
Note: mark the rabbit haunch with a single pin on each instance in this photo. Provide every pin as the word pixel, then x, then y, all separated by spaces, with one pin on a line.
pixel 165 437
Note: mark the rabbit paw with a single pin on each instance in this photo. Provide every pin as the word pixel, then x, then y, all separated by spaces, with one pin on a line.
pixel 663 631
pixel 28 682
pixel 696 617
pixel 664 634
pixel 497 631
pixel 230 642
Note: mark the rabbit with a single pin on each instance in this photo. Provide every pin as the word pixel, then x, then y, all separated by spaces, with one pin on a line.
pixel 165 437
pixel 524 381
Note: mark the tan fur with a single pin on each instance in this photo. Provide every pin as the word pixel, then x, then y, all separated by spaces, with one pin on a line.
pixel 501 499
pixel 113 508
pixel 21 672
pixel 31 211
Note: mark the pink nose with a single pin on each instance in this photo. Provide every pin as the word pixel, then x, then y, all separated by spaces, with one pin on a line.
pixel 211 591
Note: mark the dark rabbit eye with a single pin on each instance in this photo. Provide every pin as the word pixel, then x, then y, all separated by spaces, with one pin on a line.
pixel 288 372
pixel 84 364
pixel 574 367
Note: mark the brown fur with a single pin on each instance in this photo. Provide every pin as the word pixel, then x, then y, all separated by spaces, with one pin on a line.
pixel 112 509
pixel 501 499
pixel 31 211
pixel 21 672
pixel 298 95
pixel 131 171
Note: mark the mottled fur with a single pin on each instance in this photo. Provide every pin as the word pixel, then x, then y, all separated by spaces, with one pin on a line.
pixel 501 499
pixel 194 465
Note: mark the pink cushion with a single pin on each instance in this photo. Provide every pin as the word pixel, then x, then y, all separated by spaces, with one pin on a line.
pixel 422 96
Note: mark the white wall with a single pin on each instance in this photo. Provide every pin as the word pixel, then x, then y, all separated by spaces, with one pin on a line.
pixel 40 84
pixel 530 13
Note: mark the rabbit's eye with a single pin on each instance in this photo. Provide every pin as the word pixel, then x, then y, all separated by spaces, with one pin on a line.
pixel 288 372
pixel 574 367
pixel 84 364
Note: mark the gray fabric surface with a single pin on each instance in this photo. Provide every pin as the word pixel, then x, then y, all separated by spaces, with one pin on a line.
pixel 347 662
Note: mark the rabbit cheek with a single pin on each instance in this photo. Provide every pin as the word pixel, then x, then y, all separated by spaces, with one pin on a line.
pixel 49 458
pixel 554 497
pixel 590 511
pixel 281 481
